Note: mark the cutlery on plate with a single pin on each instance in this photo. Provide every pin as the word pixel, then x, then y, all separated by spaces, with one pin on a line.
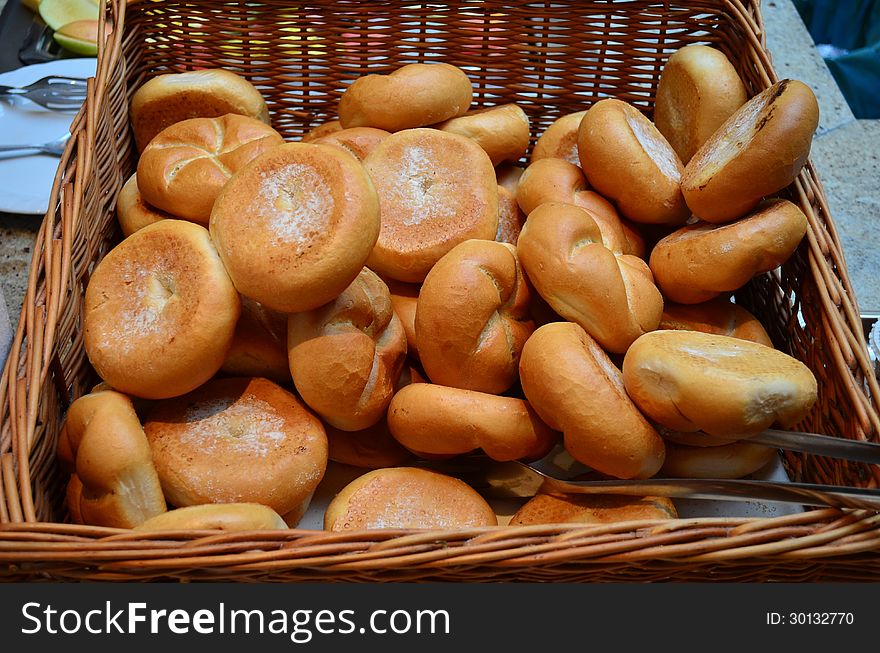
pixel 54 148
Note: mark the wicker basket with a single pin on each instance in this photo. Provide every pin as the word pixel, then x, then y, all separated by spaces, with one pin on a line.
pixel 551 58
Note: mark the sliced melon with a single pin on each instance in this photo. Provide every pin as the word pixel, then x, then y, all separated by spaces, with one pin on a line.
pixel 58 13
pixel 80 36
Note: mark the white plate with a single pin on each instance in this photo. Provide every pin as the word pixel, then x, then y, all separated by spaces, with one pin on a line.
pixel 25 182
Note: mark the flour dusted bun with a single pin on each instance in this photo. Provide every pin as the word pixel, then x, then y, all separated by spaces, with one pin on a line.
pixel 114 482
pixel 319 131
pixel 502 131
pixel 238 440
pixel 560 140
pixel 436 190
pixel 133 212
pixel 407 497
pixel 628 161
pixel 160 311
pixel 295 226
pixel 168 99
pixel 592 509
pixel 217 516
pixel 575 388
pixel 759 150
pixel 727 387
pixel 698 90
pixel 357 141
pixel 719 316
pixel 414 95
pixel 259 346
pixel 186 165
pixel 733 460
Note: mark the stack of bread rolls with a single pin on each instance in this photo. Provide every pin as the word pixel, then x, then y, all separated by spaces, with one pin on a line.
pixel 398 283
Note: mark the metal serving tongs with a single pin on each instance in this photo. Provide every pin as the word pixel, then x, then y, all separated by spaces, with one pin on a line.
pixel 54 92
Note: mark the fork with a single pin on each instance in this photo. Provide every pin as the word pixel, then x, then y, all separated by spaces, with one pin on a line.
pixel 54 148
pixel 53 92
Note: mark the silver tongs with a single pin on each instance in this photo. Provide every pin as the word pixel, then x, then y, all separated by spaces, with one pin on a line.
pixel 54 92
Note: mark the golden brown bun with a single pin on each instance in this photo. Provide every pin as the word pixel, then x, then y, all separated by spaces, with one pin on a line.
pixel 555 180
pixel 259 346
pixel 759 150
pixel 160 311
pixel 346 356
pixel 719 316
pixel 324 129
pixel 592 509
pixel 733 460
pixel 415 95
pixel 698 90
pixel 296 225
pixel 404 300
pixel 727 387
pixel 133 212
pixel 217 516
pixel 357 141
pixel 502 131
pixel 510 217
pixel 407 497
pixel 186 165
pixel 472 317
pixel 237 440
pixel 628 161
pixel 560 140
pixel 560 247
pixel 702 260
pixel 436 190
pixel 437 420
pixel 575 388
pixel 103 445
pixel 373 447
pixel 168 99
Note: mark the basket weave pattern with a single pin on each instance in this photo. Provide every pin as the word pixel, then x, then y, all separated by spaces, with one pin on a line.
pixel 551 59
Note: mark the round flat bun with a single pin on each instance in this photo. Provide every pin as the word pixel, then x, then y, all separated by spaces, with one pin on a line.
pixel 592 509
pixel 699 89
pixel 559 247
pixel 219 516
pixel 133 212
pixel 319 131
pixel 102 444
pixel 576 389
pixel 372 448
pixel 758 151
pixel 703 260
pixel 733 460
pixel 628 161
pixel 407 497
pixel 295 226
pixel 168 99
pixel 441 421
pixel 346 356
pixel 259 346
pixel 727 387
pixel 160 311
pixel 357 141
pixel 436 190
pixel 472 317
pixel 237 441
pixel 186 165
pixel 719 316
pixel 560 140
pixel 414 95
pixel 502 131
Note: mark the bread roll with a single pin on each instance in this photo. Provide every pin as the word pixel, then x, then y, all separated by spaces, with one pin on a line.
pixel 324 129
pixel 472 317
pixel 160 311
pixel 693 438
pixel 103 445
pixel 218 516
pixel 437 420
pixel 404 300
pixel 508 175
pixel 296 225
pixel 186 165
pixel 407 497
pixel 733 460
pixel 133 212
pixel 237 440
pixel 576 389
pixel 560 140
pixel 168 99
pixel 628 161
pixel 727 387
pixel 414 95
pixel 259 345
pixel 759 150
pixel 719 316
pixel 502 131
pixel 373 447
pixel 560 247
pixel 592 509
pixel 357 141
pixel 698 90
pixel 436 190
pixel 702 260
pixel 346 356
pixel 510 217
